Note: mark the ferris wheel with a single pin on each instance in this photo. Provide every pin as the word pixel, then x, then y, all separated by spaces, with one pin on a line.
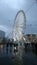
pixel 19 25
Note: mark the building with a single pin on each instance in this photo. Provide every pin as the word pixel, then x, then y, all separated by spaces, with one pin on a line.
pixel 31 37
pixel 2 34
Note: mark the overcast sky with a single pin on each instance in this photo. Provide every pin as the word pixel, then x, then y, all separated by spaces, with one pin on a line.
pixel 8 10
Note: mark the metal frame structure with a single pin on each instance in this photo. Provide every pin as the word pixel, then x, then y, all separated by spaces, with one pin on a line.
pixel 19 24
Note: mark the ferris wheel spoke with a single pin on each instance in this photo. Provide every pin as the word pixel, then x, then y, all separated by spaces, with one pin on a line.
pixel 19 25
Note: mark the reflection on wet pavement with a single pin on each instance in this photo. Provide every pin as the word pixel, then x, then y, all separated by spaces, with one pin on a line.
pixel 28 58
pixel 24 57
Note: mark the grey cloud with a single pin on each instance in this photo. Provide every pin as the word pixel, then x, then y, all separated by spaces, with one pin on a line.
pixel 8 13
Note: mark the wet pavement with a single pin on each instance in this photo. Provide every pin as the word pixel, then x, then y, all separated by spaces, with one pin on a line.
pixel 28 58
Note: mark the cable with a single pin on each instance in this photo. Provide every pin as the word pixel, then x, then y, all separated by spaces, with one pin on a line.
pixel 29 8
pixel 32 25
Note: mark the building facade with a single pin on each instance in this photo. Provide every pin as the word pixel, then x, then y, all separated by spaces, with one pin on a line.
pixel 2 34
